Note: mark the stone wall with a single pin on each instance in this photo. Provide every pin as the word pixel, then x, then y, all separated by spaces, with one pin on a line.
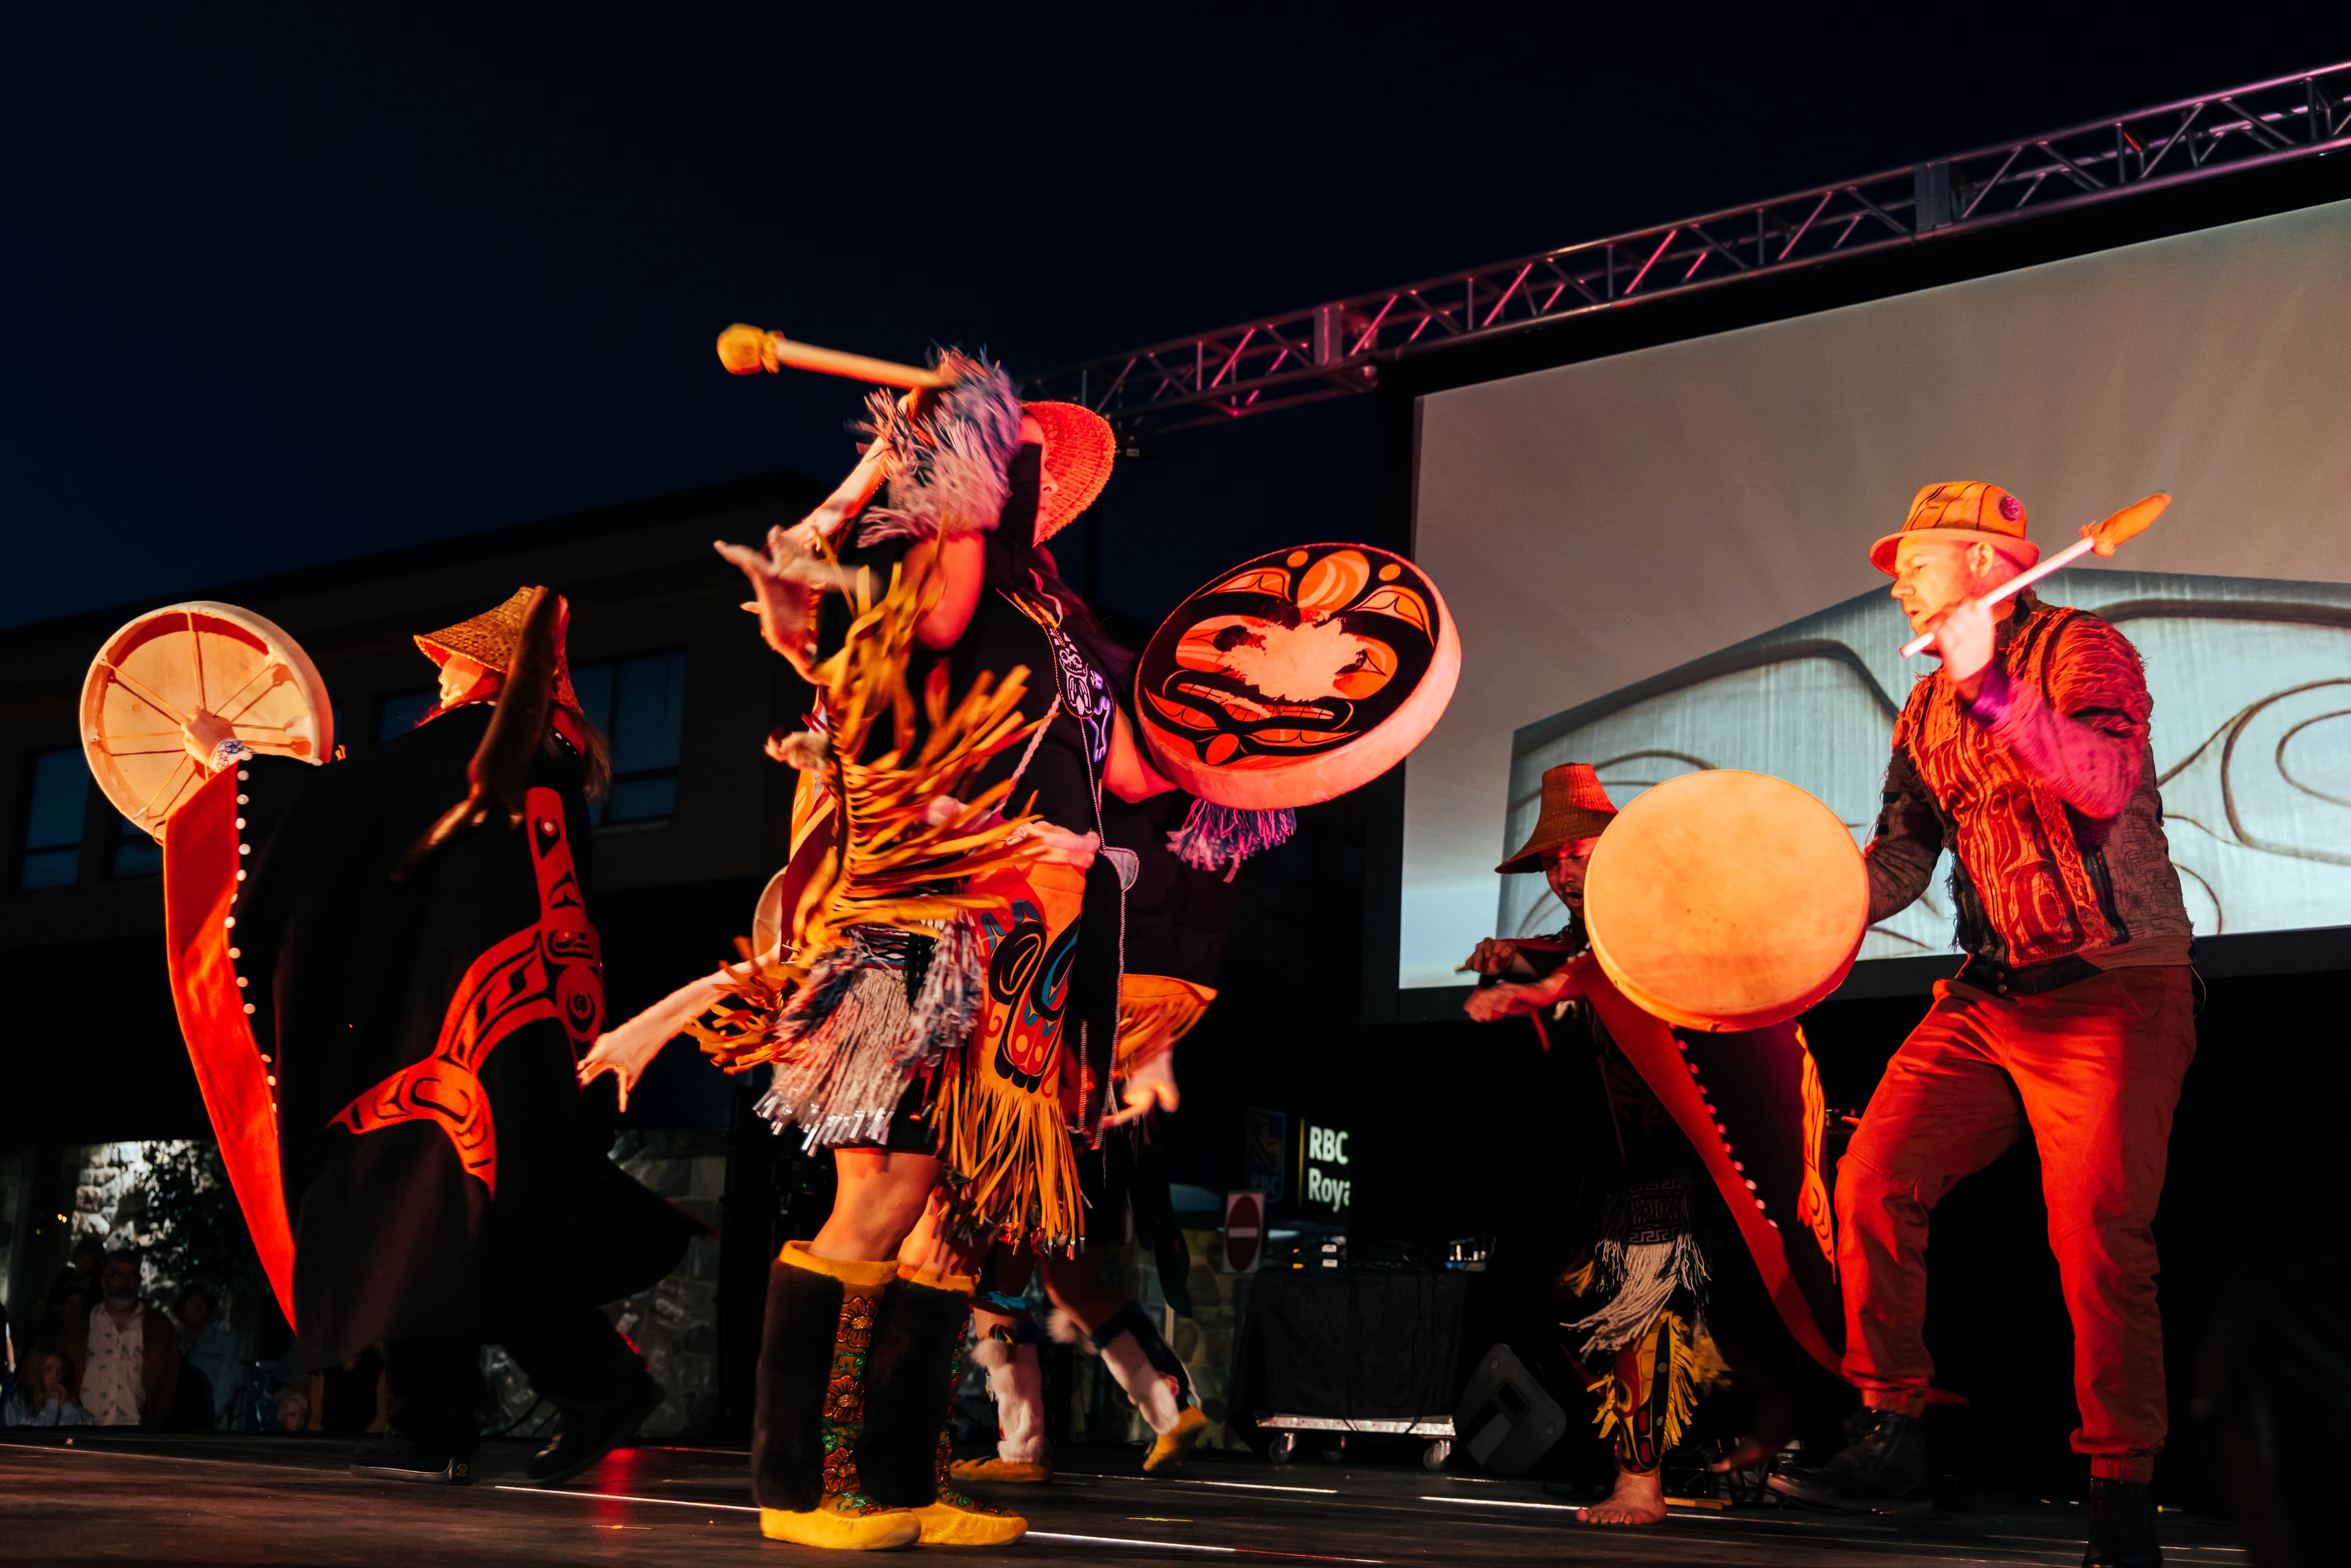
pixel 675 1325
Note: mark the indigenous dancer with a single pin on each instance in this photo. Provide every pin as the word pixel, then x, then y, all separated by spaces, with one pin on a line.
pixel 422 972
pixel 957 974
pixel 2026 755
pixel 1177 913
pixel 1649 1266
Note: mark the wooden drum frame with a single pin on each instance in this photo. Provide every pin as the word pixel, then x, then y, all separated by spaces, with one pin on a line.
pixel 160 668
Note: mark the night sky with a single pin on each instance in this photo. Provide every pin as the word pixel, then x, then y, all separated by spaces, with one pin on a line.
pixel 289 288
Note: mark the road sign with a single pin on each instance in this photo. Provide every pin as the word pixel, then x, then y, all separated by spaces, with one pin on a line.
pixel 1244 1231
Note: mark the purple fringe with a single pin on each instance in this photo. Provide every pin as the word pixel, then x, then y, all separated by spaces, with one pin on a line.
pixel 1219 838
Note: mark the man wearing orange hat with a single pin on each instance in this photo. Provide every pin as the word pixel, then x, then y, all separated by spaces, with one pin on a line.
pixel 2027 756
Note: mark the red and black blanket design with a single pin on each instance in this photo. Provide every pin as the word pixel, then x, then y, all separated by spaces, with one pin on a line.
pixel 388 1064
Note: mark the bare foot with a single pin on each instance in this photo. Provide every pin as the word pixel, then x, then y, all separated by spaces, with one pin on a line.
pixel 1637 1499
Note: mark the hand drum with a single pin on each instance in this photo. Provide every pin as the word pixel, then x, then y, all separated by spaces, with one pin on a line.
pixel 169 664
pixel 1297 676
pixel 1726 900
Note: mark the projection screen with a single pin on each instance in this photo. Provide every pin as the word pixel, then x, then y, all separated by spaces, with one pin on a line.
pixel 1659 559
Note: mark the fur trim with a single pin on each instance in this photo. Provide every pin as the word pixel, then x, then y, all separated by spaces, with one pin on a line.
pixel 947 465
pixel 1064 1327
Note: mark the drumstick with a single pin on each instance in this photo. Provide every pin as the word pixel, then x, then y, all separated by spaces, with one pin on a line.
pixel 747 350
pixel 2102 537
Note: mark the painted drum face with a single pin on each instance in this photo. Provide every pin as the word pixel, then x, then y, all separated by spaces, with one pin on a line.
pixel 1298 676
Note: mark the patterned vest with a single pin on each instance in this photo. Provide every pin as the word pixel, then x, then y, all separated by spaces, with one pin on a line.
pixel 2031 883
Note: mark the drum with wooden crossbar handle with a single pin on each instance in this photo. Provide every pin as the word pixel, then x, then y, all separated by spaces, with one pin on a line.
pixel 164 667
pixel 1726 900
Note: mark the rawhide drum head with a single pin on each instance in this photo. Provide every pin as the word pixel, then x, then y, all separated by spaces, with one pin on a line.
pixel 1297 676
pixel 1726 900
pixel 166 666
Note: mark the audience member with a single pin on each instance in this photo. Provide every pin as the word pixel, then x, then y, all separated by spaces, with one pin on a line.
pixel 125 1358
pixel 207 1346
pixel 53 1404
pixel 81 1264
pixel 293 1408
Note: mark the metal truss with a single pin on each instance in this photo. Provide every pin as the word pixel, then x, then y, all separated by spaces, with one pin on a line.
pixel 1336 348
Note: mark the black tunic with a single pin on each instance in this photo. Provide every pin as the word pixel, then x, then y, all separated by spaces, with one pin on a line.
pixel 412 1220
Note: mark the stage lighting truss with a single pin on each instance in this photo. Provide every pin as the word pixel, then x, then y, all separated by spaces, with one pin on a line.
pixel 1335 350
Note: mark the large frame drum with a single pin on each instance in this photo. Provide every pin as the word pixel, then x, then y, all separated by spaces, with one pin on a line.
pixel 160 668
pixel 1297 676
pixel 1726 900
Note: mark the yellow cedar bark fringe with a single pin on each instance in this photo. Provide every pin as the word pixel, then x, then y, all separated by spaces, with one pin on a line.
pixel 1003 1145
pixel 1697 1367
pixel 891 865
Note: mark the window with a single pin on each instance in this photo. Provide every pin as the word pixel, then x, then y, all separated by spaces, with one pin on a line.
pixel 55 808
pixel 397 715
pixel 134 854
pixel 638 704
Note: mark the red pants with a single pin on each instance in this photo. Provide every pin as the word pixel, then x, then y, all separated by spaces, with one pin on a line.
pixel 2093 1070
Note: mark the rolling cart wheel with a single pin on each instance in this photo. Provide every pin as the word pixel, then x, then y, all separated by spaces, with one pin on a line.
pixel 1281 1447
pixel 1433 1457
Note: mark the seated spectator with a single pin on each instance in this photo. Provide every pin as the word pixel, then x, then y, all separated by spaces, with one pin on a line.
pixel 125 1358
pixel 208 1347
pixel 293 1408
pixel 54 1403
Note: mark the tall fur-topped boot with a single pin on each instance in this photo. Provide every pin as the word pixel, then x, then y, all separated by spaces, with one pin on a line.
pixel 809 1408
pixel 1156 1379
pixel 910 1382
pixel 1016 1382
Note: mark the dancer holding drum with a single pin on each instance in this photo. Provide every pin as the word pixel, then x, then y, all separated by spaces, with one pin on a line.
pixel 945 1019
pixel 384 969
pixel 2026 755
pixel 1739 1112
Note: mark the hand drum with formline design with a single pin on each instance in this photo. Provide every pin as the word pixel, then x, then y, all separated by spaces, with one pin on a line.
pixel 1297 676
pixel 1726 900
pixel 165 666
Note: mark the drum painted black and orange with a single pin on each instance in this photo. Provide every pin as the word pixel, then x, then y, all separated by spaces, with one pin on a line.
pixel 1297 676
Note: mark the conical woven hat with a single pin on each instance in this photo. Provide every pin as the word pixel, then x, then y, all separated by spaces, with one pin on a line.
pixel 1575 807
pixel 488 639
pixel 1079 449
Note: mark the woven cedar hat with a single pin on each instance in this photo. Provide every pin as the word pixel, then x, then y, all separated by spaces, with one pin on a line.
pixel 1968 512
pixel 1575 807
pixel 491 638
pixel 1079 447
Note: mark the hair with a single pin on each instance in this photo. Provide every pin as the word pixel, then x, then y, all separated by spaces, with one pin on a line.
pixel 191 1292
pixel 1018 563
pixel 87 1243
pixel 595 754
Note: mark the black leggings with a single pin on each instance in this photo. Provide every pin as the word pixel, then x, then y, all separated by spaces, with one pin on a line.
pixel 433 1392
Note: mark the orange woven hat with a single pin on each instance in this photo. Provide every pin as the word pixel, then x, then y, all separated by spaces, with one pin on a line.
pixel 488 639
pixel 491 638
pixel 1966 511
pixel 1575 807
pixel 1078 448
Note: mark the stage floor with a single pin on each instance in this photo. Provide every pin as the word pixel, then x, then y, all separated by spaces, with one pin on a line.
pixel 247 1501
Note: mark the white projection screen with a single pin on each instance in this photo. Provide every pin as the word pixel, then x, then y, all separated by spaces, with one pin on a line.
pixel 1659 559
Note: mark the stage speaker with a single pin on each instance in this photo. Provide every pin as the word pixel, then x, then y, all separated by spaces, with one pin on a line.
pixel 1506 1420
